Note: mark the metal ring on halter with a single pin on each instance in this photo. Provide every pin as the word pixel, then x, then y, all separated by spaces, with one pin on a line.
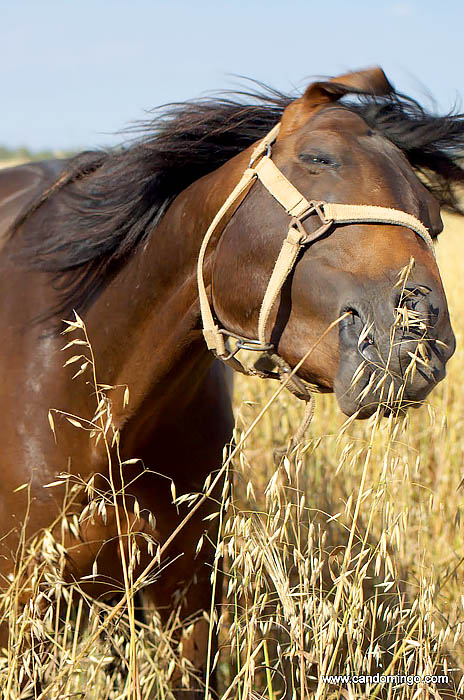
pixel 246 343
pixel 307 237
pixel 254 346
pixel 266 154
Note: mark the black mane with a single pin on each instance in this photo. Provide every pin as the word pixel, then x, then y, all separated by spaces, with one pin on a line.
pixel 114 199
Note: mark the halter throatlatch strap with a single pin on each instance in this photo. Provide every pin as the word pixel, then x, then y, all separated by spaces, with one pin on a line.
pixel 214 339
pixel 262 168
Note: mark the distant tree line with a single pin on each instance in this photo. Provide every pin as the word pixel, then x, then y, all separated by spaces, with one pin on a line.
pixel 24 153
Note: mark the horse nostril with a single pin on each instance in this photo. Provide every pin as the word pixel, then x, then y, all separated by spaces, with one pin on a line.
pixel 414 308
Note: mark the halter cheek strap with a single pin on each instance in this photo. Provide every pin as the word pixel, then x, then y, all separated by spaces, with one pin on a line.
pixel 262 168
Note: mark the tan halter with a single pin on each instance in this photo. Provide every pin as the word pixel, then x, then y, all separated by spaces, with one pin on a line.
pixel 262 168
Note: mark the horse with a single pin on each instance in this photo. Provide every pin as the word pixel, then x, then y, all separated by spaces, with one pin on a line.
pixel 344 194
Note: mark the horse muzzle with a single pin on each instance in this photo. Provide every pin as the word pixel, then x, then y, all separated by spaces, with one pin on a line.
pixel 392 360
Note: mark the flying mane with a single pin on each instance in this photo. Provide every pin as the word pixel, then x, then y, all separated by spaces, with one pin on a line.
pixel 114 199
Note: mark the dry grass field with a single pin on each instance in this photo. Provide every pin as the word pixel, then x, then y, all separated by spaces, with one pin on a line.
pixel 10 163
pixel 346 558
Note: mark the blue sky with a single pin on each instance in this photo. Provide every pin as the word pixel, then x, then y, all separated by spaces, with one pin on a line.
pixel 73 72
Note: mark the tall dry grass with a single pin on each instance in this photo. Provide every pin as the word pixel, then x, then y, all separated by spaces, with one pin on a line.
pixel 347 558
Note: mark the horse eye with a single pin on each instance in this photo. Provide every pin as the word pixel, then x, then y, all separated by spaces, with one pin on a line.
pixel 316 159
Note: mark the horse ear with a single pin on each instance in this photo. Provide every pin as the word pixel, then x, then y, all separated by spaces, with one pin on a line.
pixel 372 81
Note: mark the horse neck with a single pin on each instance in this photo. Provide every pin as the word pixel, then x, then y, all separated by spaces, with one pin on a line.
pixel 150 338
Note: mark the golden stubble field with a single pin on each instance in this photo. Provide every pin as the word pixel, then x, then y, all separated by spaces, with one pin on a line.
pixel 347 558
pixel 380 507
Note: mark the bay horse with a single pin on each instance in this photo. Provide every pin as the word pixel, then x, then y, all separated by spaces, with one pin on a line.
pixel 116 236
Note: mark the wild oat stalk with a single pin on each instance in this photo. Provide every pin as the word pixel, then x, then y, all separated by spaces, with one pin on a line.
pixel 349 556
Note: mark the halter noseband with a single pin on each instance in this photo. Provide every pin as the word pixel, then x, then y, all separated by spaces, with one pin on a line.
pixel 262 168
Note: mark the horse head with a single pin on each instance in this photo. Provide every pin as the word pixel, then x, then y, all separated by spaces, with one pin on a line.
pixel 379 278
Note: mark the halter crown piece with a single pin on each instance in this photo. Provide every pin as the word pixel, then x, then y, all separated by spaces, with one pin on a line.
pixel 262 168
